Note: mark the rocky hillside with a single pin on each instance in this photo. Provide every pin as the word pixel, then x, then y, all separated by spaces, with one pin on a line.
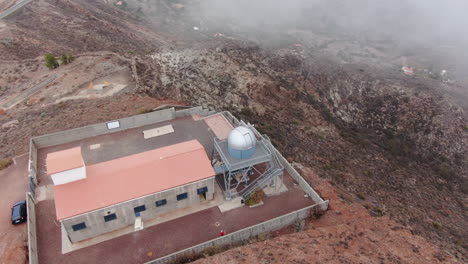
pixel 396 142
pixel 345 234
pixel 73 26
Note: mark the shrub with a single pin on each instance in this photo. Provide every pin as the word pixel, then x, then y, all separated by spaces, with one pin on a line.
pixel 51 61
pixel 299 225
pixel 143 110
pixel 263 236
pixel 246 112
pixel 67 58
pixel 186 258
pixel 4 163
pixel 213 250
pixel 255 197
pixel 361 196
pixel 377 211
pixel 437 225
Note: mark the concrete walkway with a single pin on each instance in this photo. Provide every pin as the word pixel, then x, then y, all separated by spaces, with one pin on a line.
pixel 14 8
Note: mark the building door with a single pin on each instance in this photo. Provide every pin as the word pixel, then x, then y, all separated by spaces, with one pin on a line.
pixel 202 196
pixel 202 193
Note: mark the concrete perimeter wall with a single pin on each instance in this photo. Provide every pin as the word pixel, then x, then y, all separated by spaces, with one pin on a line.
pixel 188 112
pixel 303 183
pixel 32 166
pixel 241 235
pixel 32 238
pixel 102 128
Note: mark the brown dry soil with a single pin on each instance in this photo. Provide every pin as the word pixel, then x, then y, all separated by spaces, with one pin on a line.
pixel 345 234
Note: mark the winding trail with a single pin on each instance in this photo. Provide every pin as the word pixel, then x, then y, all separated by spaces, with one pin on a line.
pixel 14 8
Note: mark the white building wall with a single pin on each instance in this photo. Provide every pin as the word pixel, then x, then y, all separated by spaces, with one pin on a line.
pixel 69 176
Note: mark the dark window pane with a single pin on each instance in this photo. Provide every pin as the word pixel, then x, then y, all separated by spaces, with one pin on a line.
pixel 161 202
pixel 110 217
pixel 202 190
pixel 79 226
pixel 140 208
pixel 182 196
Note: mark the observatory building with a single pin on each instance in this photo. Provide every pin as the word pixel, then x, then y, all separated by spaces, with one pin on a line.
pixel 138 172
pixel 114 194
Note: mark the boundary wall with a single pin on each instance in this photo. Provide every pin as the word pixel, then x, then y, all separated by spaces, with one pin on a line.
pixel 102 128
pixel 31 222
pixel 240 235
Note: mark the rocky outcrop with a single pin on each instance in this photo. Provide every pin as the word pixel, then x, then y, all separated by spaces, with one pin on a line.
pixel 398 140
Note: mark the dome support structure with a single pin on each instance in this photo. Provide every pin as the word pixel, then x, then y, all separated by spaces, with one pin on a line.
pixel 256 167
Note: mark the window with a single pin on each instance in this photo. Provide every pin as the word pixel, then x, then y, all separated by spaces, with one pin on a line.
pixel 161 202
pixel 182 196
pixel 79 226
pixel 140 208
pixel 110 217
pixel 202 190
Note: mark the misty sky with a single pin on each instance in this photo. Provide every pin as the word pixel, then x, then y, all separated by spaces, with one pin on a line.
pixel 440 21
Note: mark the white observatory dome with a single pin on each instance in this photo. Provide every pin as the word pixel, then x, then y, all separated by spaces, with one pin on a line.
pixel 241 138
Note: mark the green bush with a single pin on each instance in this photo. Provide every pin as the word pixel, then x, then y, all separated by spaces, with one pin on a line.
pixel 67 58
pixel 255 197
pixel 51 61
pixel 437 225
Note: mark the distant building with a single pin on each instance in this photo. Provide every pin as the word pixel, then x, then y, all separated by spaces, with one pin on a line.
pixel 407 70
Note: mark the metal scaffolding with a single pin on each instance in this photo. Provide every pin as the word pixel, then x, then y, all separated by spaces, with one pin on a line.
pixel 234 175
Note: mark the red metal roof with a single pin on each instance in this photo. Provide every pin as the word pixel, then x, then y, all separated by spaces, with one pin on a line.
pixel 64 160
pixel 131 177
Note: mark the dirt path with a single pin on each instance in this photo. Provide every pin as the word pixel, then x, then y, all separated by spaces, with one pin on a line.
pixel 14 8
pixel 13 185
pixel 25 95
